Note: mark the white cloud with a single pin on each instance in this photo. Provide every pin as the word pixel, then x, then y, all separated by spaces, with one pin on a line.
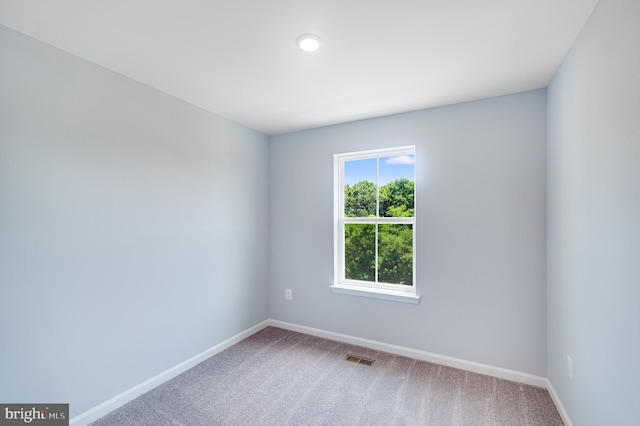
pixel 401 159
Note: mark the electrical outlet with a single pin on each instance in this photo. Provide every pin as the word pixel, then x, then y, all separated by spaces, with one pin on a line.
pixel 288 294
pixel 570 367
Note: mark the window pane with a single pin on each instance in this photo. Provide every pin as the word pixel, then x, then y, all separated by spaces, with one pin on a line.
pixel 396 186
pixel 360 251
pixel 395 253
pixel 360 188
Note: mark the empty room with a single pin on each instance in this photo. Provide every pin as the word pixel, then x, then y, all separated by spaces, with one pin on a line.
pixel 356 212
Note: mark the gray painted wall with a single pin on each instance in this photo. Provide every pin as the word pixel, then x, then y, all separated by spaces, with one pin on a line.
pixel 133 228
pixel 594 220
pixel 480 211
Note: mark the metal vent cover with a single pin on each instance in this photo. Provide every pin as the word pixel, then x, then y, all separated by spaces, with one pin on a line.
pixel 360 360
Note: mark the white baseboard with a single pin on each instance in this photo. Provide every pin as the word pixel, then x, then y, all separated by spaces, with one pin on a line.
pixel 556 400
pixel 462 364
pixel 131 394
pixel 502 373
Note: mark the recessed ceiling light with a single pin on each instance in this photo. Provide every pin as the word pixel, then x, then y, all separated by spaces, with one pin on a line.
pixel 308 42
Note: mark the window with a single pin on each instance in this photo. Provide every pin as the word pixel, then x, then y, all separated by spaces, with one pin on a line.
pixel 374 224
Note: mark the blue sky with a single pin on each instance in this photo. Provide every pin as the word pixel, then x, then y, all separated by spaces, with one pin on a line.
pixel 391 168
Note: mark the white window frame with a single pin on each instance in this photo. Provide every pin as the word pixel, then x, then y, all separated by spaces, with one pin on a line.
pixel 396 292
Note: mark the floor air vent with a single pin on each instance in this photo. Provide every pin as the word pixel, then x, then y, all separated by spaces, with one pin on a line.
pixel 360 360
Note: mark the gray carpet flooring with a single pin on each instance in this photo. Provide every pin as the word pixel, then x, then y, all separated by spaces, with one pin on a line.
pixel 280 377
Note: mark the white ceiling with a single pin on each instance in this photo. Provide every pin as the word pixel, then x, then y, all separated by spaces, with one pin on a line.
pixel 238 58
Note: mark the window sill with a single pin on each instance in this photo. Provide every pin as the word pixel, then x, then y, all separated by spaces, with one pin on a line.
pixel 376 293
